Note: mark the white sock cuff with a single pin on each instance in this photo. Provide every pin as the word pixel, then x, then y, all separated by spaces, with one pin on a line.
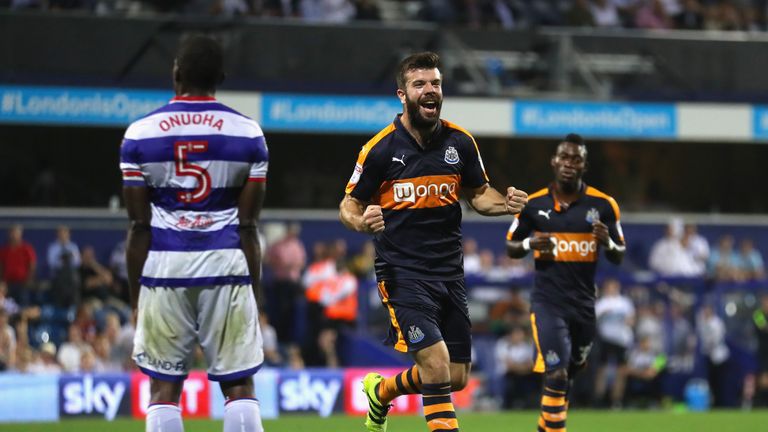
pixel 240 402
pixel 163 407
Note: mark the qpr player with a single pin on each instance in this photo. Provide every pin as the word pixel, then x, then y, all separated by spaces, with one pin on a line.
pixel 194 174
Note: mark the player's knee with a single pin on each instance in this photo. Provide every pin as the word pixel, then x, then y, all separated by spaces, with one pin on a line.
pixel 459 382
pixel 434 367
pixel 238 389
pixel 557 374
pixel 164 391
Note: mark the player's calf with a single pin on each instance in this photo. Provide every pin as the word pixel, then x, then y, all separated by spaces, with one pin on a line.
pixel 554 402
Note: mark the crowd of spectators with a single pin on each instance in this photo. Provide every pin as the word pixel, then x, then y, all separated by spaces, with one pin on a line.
pixel 77 319
pixel 746 15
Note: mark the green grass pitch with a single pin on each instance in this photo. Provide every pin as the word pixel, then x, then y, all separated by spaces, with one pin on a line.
pixel 578 421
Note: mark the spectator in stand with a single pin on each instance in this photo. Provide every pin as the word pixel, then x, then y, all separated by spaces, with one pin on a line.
pixel 7 304
pixel 486 262
pixel 7 343
pixel 514 365
pixel 605 13
pixel 650 324
pixel 652 15
pixel 102 348
pixel 698 248
pixel 367 10
pixel 64 263
pixel 711 331
pixel 668 256
pixel 644 368
pixel 580 15
pixel 691 16
pixel 45 360
pixel 338 299
pixel 71 350
pixel 18 262
pixel 85 319
pixel 269 337
pixel 723 261
pixel 119 267
pixel 63 247
pixel 120 340
pixel 363 264
pixel 615 320
pixel 760 319
pixel 749 261
pixel 681 339
pixel 472 263
pixel 89 363
pixel 287 258
pixel 95 279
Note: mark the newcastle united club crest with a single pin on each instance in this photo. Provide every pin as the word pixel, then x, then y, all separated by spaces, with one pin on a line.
pixel 451 155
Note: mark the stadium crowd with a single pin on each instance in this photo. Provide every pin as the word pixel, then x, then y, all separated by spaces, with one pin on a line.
pixel 77 319
pixel 726 15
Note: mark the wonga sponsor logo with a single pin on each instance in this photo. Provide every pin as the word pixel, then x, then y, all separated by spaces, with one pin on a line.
pixel 311 391
pixel 94 395
pixel 195 396
pixel 420 192
pixel 572 247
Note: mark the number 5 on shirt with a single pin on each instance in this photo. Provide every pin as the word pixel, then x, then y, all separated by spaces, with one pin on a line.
pixel 185 168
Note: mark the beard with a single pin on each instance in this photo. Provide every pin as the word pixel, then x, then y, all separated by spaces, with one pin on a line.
pixel 419 121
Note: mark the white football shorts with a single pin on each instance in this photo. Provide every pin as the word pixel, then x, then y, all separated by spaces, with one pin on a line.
pixel 223 319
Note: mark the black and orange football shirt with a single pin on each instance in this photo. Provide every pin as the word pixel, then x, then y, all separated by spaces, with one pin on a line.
pixel 418 191
pixel 567 276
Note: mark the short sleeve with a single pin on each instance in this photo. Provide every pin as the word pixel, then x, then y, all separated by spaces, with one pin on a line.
pixel 473 175
pixel 612 219
pixel 259 161
pixel 130 163
pixel 368 174
pixel 521 227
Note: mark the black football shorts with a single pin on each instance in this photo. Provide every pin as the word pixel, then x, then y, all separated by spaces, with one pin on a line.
pixel 422 313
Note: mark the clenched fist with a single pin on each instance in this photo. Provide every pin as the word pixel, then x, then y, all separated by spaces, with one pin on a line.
pixel 373 219
pixel 516 200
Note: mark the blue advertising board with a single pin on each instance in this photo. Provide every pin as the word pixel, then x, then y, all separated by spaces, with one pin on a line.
pixel 760 122
pixel 77 106
pixel 595 119
pixel 102 395
pixel 28 397
pixel 367 114
pixel 311 391
pixel 265 386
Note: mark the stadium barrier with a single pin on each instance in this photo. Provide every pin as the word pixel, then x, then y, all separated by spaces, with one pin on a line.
pixel 51 397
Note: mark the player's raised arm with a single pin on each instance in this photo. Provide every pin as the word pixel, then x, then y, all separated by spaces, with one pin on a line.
pixel 249 208
pixel 489 202
pixel 139 236
pixel 358 216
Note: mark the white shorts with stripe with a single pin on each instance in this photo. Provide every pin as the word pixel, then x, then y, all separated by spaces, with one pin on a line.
pixel 223 319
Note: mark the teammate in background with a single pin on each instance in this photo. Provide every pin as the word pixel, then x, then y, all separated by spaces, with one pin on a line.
pixel 405 192
pixel 570 223
pixel 194 174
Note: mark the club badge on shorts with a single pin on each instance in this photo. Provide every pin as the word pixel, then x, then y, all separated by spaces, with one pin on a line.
pixel 552 358
pixel 451 155
pixel 415 335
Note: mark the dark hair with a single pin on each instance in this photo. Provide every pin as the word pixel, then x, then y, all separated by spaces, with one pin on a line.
pixel 200 60
pixel 575 139
pixel 422 60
